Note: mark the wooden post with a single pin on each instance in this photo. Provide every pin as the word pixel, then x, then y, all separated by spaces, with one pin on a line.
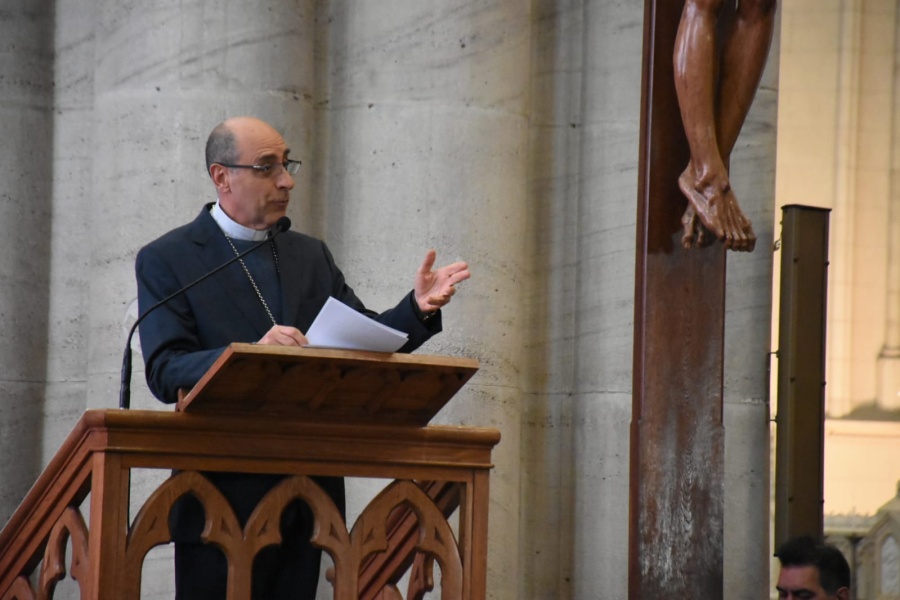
pixel 677 448
pixel 109 524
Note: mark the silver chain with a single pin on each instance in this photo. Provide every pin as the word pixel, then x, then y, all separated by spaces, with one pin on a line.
pixel 250 277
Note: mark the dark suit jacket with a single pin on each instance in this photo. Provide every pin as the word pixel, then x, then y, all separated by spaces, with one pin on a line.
pixel 182 339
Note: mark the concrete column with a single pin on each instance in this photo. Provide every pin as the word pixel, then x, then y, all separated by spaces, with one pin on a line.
pixel 548 554
pixel 586 86
pixel 869 293
pixel 889 356
pixel 845 86
pixel 748 317
pixel 604 296
pixel 424 137
pixel 67 344
pixel 26 143
pixel 166 74
pixel 587 312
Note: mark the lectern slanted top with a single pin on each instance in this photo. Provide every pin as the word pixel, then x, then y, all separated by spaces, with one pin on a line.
pixel 324 385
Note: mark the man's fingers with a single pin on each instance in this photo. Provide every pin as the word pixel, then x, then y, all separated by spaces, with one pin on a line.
pixel 428 262
pixel 281 335
pixel 298 338
pixel 462 274
pixel 456 273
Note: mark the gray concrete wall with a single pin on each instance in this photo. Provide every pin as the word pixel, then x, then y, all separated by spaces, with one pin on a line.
pixel 586 94
pixel 165 75
pixel 425 116
pixel 748 307
pixel 73 160
pixel 501 132
pixel 26 145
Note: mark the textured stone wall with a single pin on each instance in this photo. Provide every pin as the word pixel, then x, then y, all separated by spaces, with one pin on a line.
pixel 166 73
pixel 748 308
pixel 425 116
pixel 502 132
pixel 26 145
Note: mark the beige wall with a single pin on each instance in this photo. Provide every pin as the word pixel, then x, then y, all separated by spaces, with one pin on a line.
pixel 836 142
pixel 862 461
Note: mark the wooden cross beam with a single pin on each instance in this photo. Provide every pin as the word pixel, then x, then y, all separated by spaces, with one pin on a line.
pixel 677 448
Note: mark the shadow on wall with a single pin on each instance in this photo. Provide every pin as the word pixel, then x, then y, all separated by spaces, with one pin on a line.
pixel 26 140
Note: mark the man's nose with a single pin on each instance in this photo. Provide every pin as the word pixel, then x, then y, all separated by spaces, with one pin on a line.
pixel 285 180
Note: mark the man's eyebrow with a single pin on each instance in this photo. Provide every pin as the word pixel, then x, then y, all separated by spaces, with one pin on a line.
pixel 273 157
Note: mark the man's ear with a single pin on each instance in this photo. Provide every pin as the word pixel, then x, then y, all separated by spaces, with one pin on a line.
pixel 843 594
pixel 219 176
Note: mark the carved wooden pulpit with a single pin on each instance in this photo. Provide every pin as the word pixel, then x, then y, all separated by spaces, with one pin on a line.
pixel 298 412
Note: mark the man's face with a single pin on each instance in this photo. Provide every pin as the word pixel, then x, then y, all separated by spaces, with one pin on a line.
pixel 802 583
pixel 251 198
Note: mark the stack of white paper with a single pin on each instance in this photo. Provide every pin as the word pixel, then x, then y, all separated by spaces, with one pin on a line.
pixel 339 326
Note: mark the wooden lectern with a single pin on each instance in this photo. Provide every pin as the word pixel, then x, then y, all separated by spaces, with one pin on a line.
pixel 300 412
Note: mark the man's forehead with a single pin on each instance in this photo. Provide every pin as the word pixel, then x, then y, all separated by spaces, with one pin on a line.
pixel 263 148
pixel 799 578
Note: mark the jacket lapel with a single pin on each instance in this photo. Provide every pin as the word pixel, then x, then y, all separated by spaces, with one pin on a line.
pixel 290 273
pixel 213 251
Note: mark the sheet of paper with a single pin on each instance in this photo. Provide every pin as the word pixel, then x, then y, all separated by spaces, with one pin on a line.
pixel 339 326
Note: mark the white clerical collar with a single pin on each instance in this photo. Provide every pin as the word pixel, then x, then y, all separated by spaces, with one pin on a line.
pixel 233 229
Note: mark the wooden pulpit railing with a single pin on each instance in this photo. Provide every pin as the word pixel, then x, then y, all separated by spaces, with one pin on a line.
pixel 300 413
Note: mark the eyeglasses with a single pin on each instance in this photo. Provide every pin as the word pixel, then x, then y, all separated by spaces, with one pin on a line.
pixel 270 170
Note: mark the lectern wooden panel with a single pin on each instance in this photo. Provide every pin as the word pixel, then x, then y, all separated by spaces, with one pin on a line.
pixel 279 431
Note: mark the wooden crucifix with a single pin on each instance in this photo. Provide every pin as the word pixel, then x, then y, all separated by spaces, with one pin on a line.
pixel 701 66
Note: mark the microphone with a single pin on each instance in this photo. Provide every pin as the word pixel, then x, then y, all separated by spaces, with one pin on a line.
pixel 281 225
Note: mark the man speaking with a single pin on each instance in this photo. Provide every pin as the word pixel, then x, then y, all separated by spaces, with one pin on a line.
pixel 270 296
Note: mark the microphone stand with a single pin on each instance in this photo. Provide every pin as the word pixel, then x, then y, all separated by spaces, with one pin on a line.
pixel 282 225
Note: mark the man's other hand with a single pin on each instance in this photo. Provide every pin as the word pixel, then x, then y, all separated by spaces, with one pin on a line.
pixel 434 288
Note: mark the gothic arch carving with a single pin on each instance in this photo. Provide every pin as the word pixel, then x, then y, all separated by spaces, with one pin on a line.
pixel 436 538
pixel 70 526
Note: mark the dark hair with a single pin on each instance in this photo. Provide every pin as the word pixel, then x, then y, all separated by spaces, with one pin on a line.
pixel 221 146
pixel 806 551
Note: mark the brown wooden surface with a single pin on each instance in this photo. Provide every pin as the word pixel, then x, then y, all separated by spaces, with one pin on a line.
pixel 65 482
pixel 379 570
pixel 676 504
pixel 329 385
pixel 108 524
pixel 106 443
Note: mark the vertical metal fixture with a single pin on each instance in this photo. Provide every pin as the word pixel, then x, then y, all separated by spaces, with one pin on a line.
pixel 800 418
